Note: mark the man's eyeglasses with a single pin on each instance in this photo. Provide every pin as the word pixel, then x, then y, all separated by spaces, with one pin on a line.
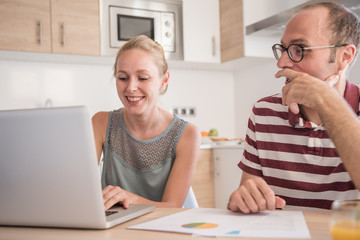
pixel 295 51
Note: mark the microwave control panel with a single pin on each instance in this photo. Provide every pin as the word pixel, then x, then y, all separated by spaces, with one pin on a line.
pixel 168 31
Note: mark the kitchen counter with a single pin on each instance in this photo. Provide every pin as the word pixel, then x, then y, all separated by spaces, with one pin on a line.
pixel 216 145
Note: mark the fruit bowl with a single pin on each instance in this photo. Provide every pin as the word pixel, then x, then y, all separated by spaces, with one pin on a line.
pixel 226 141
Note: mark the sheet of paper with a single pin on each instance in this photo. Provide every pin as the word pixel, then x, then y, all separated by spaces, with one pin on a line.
pixel 222 222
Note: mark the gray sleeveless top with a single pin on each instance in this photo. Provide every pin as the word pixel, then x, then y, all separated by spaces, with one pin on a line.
pixel 140 167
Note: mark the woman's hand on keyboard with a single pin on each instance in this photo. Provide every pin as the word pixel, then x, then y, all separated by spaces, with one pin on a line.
pixel 114 194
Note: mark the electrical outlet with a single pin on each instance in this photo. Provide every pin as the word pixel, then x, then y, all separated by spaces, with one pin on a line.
pixel 183 111
pixel 175 111
pixel 191 111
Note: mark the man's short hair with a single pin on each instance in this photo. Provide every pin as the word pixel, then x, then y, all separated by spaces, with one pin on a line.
pixel 343 23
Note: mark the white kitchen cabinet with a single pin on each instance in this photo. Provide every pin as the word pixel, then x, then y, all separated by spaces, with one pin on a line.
pixel 227 174
pixel 201 30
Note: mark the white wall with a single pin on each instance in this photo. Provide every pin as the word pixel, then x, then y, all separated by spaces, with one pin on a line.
pixel 223 99
pixel 28 84
pixel 251 84
pixel 211 92
pixel 25 84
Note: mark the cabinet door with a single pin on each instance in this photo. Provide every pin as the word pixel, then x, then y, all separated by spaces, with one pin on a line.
pixel 227 173
pixel 231 29
pixel 75 27
pixel 25 25
pixel 203 180
pixel 201 29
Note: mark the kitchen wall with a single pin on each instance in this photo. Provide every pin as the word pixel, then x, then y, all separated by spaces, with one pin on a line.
pixel 211 92
pixel 223 99
pixel 251 84
pixel 28 84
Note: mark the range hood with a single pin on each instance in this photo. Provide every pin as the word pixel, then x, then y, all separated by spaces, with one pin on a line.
pixel 275 25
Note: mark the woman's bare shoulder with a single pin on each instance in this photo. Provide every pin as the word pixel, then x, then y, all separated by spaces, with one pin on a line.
pixel 100 118
pixel 192 131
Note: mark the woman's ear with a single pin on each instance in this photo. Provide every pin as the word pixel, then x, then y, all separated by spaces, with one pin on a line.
pixel 346 56
pixel 164 83
pixel 166 77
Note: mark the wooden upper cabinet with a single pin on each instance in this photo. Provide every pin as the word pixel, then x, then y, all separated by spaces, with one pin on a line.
pixel 231 29
pixel 75 27
pixel 25 25
pixel 57 26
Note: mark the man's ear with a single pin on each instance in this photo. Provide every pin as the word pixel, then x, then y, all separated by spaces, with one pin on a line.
pixel 346 56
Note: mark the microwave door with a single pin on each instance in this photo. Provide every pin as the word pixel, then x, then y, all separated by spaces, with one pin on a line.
pixel 126 23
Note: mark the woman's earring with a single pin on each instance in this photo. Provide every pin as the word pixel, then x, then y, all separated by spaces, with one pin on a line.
pixel 163 89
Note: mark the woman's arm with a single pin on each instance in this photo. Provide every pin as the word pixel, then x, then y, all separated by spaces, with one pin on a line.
pixel 100 122
pixel 178 184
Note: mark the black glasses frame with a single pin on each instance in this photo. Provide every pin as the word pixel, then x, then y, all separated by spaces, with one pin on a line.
pixel 274 48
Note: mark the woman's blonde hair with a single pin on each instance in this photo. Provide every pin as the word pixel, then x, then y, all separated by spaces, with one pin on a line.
pixel 146 44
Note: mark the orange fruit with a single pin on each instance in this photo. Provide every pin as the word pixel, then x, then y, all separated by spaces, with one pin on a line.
pixel 204 134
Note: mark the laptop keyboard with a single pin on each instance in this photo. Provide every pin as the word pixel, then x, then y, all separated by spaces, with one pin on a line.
pixel 108 213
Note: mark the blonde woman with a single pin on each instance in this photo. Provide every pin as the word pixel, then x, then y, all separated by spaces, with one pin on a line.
pixel 148 154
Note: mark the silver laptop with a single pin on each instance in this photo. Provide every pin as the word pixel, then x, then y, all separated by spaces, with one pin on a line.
pixel 49 175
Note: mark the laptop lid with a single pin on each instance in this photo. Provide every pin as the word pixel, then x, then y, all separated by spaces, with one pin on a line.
pixel 48 171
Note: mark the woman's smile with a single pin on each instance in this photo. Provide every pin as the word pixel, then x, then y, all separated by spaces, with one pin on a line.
pixel 134 99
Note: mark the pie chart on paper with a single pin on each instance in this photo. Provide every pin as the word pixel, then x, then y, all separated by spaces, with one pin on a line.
pixel 201 225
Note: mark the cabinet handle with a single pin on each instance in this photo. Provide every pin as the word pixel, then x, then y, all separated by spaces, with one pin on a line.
pixel 213 46
pixel 40 31
pixel 63 34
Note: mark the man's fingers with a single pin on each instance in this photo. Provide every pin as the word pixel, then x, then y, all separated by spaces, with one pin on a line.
pixel 280 203
pixel 236 203
pixel 254 195
pixel 267 194
pixel 288 73
pixel 294 107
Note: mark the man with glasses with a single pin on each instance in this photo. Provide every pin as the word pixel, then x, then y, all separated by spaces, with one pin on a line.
pixel 290 156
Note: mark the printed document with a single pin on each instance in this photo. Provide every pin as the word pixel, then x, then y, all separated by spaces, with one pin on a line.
pixel 222 222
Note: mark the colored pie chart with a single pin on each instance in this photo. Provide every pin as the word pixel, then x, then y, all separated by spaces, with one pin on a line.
pixel 200 225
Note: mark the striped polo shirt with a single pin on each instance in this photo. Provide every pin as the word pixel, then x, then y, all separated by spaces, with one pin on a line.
pixel 296 157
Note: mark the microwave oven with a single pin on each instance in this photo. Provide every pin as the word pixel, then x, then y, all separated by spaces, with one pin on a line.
pixel 161 21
